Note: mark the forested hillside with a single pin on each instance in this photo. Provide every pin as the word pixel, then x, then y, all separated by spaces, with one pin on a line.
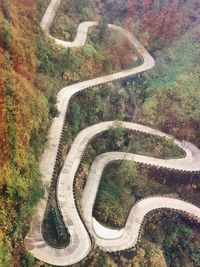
pixel 33 69
pixel 24 114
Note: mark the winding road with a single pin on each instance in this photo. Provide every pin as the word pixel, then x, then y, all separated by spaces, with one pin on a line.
pixel 80 241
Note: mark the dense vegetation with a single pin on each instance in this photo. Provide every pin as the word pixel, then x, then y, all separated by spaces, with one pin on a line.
pixel 20 186
pixel 178 237
pixel 122 185
pixel 174 83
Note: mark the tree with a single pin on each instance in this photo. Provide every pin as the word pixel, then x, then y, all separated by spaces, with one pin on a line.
pixel 102 30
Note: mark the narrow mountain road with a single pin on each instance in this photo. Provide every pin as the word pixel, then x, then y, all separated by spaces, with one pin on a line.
pixel 116 240
pixel 80 242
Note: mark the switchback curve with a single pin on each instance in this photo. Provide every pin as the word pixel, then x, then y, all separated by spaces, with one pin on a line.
pixel 116 240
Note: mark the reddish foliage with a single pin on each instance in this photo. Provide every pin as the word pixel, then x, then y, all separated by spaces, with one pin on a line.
pixel 22 51
pixel 3 127
pixel 168 21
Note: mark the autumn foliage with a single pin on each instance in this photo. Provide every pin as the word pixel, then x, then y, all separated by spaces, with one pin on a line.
pixel 23 112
